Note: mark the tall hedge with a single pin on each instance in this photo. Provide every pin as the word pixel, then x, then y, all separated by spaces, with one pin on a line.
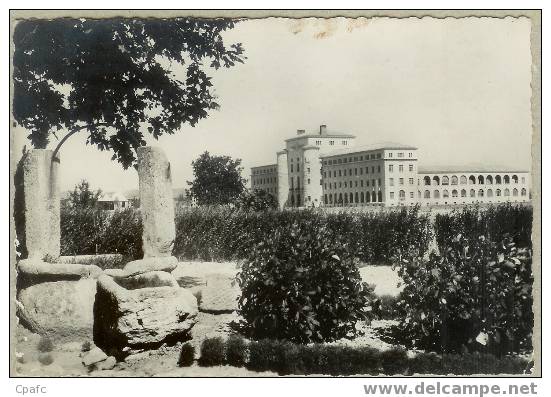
pixel 224 234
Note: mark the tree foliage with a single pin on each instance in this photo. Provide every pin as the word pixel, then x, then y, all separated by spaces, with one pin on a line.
pixel 83 197
pixel 114 78
pixel 217 180
pixel 257 200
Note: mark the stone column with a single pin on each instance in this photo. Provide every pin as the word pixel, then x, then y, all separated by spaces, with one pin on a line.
pixel 282 179
pixel 42 203
pixel 156 202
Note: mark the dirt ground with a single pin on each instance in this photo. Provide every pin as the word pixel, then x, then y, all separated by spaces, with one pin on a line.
pixel 157 363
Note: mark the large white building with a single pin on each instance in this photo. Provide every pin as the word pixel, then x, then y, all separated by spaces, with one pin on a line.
pixel 326 169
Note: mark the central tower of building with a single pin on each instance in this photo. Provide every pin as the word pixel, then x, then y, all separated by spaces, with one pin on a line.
pixel 302 185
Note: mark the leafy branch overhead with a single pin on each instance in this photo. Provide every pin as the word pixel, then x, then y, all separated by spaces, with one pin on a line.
pixel 115 79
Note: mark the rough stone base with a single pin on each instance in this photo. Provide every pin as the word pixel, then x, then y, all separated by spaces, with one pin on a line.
pixel 62 309
pixel 132 320
pixel 163 264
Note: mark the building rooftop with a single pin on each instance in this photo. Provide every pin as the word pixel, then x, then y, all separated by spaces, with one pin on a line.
pixel 466 169
pixel 331 135
pixel 116 196
pixel 367 148
pixel 264 166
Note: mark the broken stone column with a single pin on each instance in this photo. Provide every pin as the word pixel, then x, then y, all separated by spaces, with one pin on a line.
pixel 156 202
pixel 42 204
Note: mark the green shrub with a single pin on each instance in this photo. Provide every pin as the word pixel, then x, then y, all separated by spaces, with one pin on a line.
pixel 386 307
pixel 212 352
pixel 288 358
pixel 264 355
pixel 45 344
pixel 302 285
pixel 476 296
pixel 90 231
pixel 45 358
pixel 187 355
pixel 236 351
pixel 123 234
pixel 225 234
pixel 394 361
pixel 81 230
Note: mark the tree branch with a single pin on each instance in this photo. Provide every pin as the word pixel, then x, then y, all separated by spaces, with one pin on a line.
pixel 71 133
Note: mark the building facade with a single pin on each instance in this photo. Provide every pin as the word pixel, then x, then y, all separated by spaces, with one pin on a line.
pixel 326 169
pixel 265 178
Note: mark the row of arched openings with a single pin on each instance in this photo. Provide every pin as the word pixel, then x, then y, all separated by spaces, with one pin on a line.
pixel 473 193
pixel 471 180
pixel 353 198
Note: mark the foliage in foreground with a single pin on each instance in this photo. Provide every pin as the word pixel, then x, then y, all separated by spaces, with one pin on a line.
pixel 477 294
pixel 286 358
pixel 303 285
pixel 187 355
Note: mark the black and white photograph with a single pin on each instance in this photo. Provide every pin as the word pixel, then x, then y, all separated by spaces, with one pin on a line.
pixel 275 194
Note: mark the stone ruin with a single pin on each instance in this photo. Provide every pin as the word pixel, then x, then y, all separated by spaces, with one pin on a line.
pixel 124 310
pixel 142 305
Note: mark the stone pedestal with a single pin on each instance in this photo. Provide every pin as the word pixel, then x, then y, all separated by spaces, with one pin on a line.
pixel 130 320
pixel 156 202
pixel 42 200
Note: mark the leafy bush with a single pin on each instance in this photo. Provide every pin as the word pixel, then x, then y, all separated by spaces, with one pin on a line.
pixel 467 364
pixel 82 230
pixel 492 222
pixel 86 346
pixel 386 307
pixel 302 285
pixel 45 344
pixel 187 355
pixel 288 358
pixel 212 352
pixel 256 200
pixel 225 234
pixel 477 296
pixel 394 361
pixel 123 234
pixel 89 231
pixel 235 351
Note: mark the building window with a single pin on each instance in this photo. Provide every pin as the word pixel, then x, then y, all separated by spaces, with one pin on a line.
pixel 331 143
pixel 498 193
pixel 367 170
pixel 523 180
pixel 308 180
pixel 410 154
pixel 308 169
pixel 390 168
pixel 291 167
pixel 344 142
pixel 361 171
pixel 345 184
pixel 463 193
pixel 392 195
pixel 480 193
pixel 402 195
pixel 355 171
pixel 411 182
pixel 454 193
pixel 454 180
pixel 523 192
pixel 514 178
pixel 411 168
pixel 427 194
pixel 410 195
pixel 400 154
pixel 391 182
pixel 390 155
pixel 445 180
pixel 515 192
pixel 378 168
pixel 362 183
pixel 463 180
pixel 490 193
pixel 401 168
pixel 401 181
pixel 472 193
pixel 436 194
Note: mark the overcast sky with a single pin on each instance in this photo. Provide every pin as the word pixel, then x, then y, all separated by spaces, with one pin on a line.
pixel 458 89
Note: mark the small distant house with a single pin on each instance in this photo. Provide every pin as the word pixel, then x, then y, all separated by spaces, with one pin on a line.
pixel 113 201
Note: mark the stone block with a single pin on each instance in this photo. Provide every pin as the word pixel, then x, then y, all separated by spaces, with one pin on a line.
pixel 62 309
pixel 163 264
pixel 147 280
pixel 127 320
